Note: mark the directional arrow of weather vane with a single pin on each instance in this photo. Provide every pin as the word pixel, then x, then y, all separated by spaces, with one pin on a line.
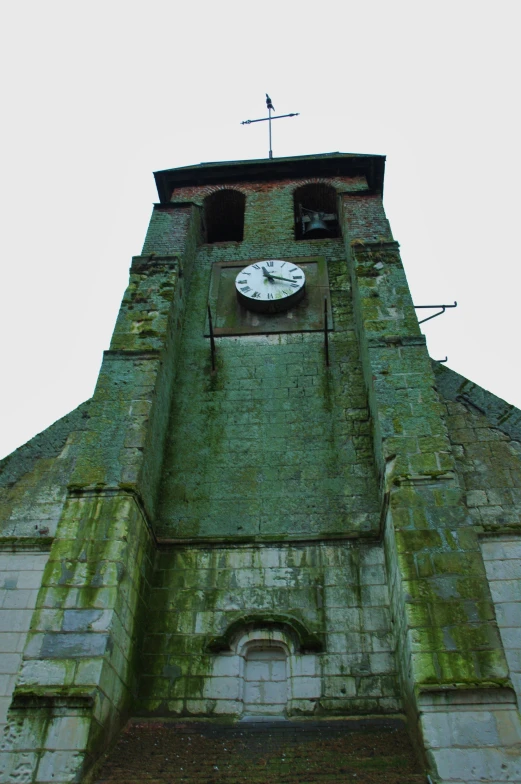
pixel 269 118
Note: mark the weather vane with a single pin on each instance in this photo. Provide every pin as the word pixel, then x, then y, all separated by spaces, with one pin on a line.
pixel 269 118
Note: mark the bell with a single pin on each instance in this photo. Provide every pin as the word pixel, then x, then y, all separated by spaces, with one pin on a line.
pixel 317 227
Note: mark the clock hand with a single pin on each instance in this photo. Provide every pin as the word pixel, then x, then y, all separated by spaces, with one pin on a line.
pixel 278 277
pixel 267 274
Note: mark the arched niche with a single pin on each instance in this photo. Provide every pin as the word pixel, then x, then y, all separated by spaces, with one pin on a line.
pixel 316 211
pixel 261 670
pixel 224 216
pixel 304 640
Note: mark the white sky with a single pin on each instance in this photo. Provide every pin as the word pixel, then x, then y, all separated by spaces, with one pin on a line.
pixel 96 96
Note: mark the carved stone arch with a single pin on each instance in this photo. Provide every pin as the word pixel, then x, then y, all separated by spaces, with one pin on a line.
pixel 282 626
pixel 224 215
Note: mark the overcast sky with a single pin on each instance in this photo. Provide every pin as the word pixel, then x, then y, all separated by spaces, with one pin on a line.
pixel 96 96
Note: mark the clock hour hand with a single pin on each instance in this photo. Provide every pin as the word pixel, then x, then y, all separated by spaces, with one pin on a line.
pixel 267 274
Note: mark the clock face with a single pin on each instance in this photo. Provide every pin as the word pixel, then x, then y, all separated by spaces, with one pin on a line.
pixel 270 286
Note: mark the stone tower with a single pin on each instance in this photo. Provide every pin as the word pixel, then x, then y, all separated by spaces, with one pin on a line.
pixel 310 520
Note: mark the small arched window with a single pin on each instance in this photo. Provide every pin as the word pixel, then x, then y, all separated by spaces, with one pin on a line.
pixel 316 215
pixel 224 216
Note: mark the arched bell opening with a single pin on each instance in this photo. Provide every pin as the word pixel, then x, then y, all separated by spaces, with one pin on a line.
pixel 224 216
pixel 316 212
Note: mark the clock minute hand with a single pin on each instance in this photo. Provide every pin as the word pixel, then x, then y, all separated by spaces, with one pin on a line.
pixel 279 277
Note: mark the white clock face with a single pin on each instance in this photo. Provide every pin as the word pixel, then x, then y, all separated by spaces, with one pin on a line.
pixel 271 285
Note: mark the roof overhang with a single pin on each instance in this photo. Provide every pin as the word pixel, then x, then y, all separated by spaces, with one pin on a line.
pixel 228 172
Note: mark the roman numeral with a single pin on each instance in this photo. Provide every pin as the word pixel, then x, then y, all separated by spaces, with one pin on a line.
pixel 295 285
pixel 295 269
pixel 245 289
pixel 269 264
pixel 255 266
pixel 256 294
pixel 270 296
pixel 297 277
pixel 241 281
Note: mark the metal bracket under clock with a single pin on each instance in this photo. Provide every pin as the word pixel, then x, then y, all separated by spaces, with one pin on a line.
pixel 232 318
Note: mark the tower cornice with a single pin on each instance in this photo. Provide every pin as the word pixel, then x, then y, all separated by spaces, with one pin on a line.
pixel 326 165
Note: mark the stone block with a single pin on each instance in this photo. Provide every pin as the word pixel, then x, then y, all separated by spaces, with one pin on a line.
pixel 511 636
pixel 67 645
pixel 382 663
pixel 222 688
pixel 504 569
pixel 505 590
pixel 20 599
pixel 500 549
pixel 304 665
pixel 88 672
pixel 7 682
pixel 9 662
pixel 339 686
pixel 376 619
pixel 484 764
pixel 59 767
pixel 67 733
pixel 19 768
pixel 226 666
pixel 46 673
pixel 15 620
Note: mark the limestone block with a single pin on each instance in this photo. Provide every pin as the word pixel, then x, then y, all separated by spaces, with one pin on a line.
pixel 9 663
pixel 67 733
pixel 305 687
pixel 15 621
pixel 12 642
pixel 340 686
pixel 222 688
pixel 58 766
pixel 304 665
pixel 228 707
pixel 508 613
pixel 19 768
pixel 227 666
pixel 484 764
pixel 46 673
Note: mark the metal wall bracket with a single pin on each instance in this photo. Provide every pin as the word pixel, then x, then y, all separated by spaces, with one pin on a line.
pixel 439 313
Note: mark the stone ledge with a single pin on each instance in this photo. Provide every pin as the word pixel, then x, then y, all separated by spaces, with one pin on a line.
pixel 466 696
pixel 15 544
pixel 59 698
pixel 512 529
pixel 119 353
pixel 396 340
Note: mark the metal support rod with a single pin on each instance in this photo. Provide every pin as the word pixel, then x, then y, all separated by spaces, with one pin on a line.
pixel 326 342
pixel 212 341
pixel 269 123
pixel 269 118
pixel 264 119
pixel 439 313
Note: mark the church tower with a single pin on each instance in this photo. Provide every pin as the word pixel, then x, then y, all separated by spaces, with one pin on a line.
pixel 275 504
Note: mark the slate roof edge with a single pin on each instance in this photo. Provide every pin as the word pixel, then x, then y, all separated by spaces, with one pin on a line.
pixel 459 389
pixel 226 172
pixel 46 444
